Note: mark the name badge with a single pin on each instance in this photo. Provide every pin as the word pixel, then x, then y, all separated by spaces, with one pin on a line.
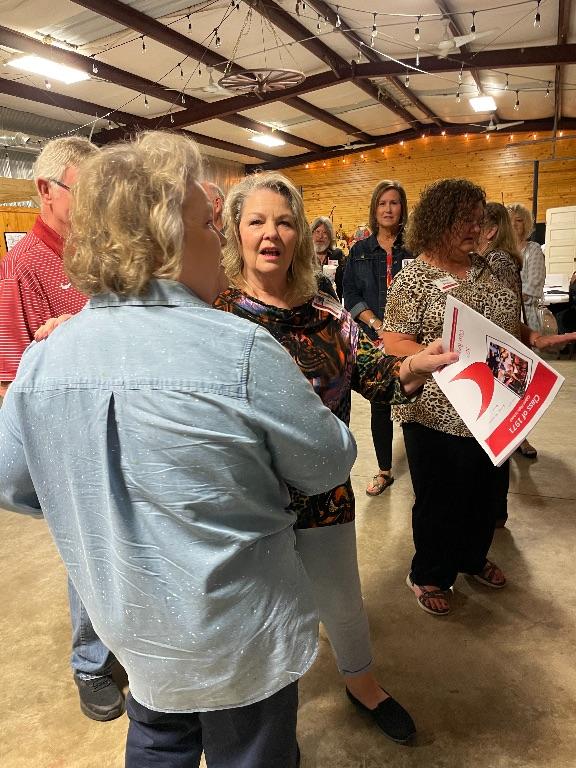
pixel 326 303
pixel 445 284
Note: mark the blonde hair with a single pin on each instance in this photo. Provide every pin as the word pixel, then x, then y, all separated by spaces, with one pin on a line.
pixel 302 283
pixel 60 154
pixel 496 215
pixel 517 209
pixel 126 219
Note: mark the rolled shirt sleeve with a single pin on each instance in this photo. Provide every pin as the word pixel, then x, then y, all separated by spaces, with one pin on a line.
pixel 312 449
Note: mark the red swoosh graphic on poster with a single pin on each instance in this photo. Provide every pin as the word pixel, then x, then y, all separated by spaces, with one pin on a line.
pixel 481 375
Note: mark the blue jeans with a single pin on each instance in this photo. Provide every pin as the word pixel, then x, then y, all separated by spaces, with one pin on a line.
pixel 90 657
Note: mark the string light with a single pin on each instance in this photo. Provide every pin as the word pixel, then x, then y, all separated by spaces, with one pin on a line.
pixel 172 118
pixel 507 83
pixel 183 99
pixel 199 71
pixel 94 68
pixel 303 5
pixel 548 90
pixel 217 40
pixel 418 57
pixel 374 32
pixel 47 84
pixel 407 80
pixel 460 74
pixel 537 14
pixel 181 70
pixel 109 124
pixel 297 7
pixel 146 102
pixel 189 22
pixel 338 20
pixel 473 25
pixel 517 104
pixel 143 45
pixel 417 29
pixel 458 96
pixel 443 133
pixel 318 24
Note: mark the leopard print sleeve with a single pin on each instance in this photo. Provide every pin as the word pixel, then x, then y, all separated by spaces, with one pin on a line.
pixel 376 375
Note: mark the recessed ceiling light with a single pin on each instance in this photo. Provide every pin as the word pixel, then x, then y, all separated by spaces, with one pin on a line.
pixel 49 69
pixel 482 103
pixel 268 140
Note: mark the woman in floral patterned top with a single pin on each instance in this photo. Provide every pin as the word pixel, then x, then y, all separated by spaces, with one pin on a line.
pixel 270 262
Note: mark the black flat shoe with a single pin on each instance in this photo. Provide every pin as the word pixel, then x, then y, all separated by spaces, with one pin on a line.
pixel 390 717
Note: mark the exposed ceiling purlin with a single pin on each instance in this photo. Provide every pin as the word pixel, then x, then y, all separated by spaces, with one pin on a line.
pixel 457 31
pixel 97 111
pixel 155 30
pixel 328 12
pixel 326 117
pixel 284 21
pixel 546 55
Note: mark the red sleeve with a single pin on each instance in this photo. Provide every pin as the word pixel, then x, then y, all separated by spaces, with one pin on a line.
pixel 22 312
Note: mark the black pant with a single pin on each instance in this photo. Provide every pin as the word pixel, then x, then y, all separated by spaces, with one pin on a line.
pixel 459 496
pixel 261 735
pixel 381 423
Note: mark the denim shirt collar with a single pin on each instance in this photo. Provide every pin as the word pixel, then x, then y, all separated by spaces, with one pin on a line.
pixel 165 293
pixel 373 245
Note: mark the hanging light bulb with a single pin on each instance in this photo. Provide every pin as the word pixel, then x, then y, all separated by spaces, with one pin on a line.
pixel 189 22
pixel 172 118
pixel 407 80
pixel 146 102
pixel 458 96
pixel 181 70
pixel 183 99
pixel 473 25
pixel 217 40
pixel 517 104
pixel 460 74
pixel 374 30
pixel 109 124
pixel 47 84
pixel 417 29
pixel 359 57
pixel 537 14
pixel 548 90
pixel 338 20
pixel 94 68
pixel 318 24
pixel 297 7
pixel 507 82
pixel 199 70
pixel 418 57
pixel 143 45
pixel 303 5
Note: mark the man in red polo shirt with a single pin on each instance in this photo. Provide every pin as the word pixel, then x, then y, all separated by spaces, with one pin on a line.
pixel 34 288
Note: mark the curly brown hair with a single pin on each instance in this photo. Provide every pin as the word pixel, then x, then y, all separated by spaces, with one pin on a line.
pixel 443 205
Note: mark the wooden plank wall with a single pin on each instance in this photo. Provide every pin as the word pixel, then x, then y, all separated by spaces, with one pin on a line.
pixel 15 220
pixel 503 165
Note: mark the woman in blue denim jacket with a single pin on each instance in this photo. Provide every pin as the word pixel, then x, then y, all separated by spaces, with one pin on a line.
pixel 372 264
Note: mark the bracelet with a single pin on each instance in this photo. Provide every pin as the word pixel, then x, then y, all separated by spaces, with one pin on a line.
pixel 410 366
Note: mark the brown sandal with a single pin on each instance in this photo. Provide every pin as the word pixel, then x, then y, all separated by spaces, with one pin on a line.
pixel 379 483
pixel 491 576
pixel 430 594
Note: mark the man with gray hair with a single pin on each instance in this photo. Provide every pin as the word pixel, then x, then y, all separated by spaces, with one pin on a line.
pixel 216 197
pixel 325 250
pixel 33 289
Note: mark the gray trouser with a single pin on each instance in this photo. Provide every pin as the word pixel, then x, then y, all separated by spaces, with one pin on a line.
pixel 329 557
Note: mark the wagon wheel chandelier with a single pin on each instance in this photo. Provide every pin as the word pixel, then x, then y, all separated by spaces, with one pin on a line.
pixel 262 81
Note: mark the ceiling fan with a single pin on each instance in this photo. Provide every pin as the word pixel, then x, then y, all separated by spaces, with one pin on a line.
pixel 492 126
pixel 349 146
pixel 449 43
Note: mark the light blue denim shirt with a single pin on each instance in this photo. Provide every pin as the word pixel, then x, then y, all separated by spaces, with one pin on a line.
pixel 157 436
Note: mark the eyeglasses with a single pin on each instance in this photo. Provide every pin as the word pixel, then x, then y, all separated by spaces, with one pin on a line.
pixel 60 184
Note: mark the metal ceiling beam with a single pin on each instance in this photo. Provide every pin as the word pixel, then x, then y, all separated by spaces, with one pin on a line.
pixel 134 122
pixel 339 66
pixel 328 12
pixel 506 58
pixel 155 30
pixel 395 138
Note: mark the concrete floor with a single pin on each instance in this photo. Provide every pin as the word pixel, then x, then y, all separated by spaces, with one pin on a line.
pixel 491 686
